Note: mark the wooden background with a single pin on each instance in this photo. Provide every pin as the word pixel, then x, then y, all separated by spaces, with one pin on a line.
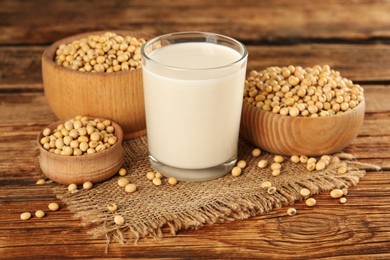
pixel 352 36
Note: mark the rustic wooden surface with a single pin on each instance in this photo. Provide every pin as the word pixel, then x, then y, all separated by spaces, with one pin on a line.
pixel 352 36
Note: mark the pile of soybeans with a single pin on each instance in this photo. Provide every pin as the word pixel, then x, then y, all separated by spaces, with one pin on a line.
pixel 307 92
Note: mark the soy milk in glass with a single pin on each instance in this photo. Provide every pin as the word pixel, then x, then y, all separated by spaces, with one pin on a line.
pixel 193 88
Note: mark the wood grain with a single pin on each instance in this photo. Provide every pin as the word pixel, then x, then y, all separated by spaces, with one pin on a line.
pixel 330 229
pixel 33 107
pixel 20 67
pixel 277 21
pixel 352 36
pixel 33 114
pixel 357 62
pixel 25 107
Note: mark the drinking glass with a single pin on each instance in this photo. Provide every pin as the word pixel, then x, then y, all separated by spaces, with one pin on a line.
pixel 193 90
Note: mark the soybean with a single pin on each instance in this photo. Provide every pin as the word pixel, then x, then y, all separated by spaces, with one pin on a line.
pixel 72 187
pixel 150 175
pixel 276 166
pixel 256 152
pixel 40 213
pixel 119 220
pixel 25 216
pixel 304 192
pixel 262 164
pixel 343 200
pixel 122 182
pixel 303 159
pixel 266 184
pixel 276 172
pixel 122 172
pixel 172 181
pixel 311 166
pixel 320 166
pixel 311 202
pixel 87 185
pixel 311 160
pixel 278 159
pixel 53 206
pixel 112 207
pixel 271 190
pixel 241 164
pixel 291 211
pixel 295 159
pixel 342 170
pixel 236 171
pixel 336 193
pixel 157 181
pixel 40 182
pixel 131 187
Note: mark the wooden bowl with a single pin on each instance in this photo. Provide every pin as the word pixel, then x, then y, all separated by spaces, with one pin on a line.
pixel 288 135
pixel 117 96
pixel 95 167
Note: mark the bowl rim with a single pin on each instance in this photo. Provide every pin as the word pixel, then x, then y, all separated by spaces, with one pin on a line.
pixel 360 106
pixel 49 52
pixel 119 135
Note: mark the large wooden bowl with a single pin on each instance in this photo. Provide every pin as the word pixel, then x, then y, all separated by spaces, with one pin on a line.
pixel 288 135
pixel 117 96
pixel 95 167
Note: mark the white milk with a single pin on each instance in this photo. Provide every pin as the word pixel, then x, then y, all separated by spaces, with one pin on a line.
pixel 193 116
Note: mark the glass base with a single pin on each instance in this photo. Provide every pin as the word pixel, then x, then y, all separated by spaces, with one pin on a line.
pixel 192 174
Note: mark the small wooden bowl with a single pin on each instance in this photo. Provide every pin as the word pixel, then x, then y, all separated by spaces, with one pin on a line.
pixel 117 96
pixel 95 167
pixel 288 135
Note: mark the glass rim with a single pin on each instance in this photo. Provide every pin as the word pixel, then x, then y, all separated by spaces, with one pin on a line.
pixel 244 55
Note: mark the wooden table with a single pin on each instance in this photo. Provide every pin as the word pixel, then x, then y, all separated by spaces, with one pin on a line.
pixel 351 36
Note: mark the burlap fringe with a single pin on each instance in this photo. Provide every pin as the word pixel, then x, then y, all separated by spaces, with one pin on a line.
pixel 221 210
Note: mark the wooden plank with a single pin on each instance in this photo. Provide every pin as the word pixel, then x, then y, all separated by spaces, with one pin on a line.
pixel 358 228
pixel 357 62
pixel 247 20
pixel 24 87
pixel 25 107
pixel 376 124
pixel 377 147
pixel 20 67
pixel 379 102
pixel 25 114
pixel 24 152
pixel 33 107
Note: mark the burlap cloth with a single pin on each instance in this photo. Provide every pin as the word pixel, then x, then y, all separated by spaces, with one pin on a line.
pixel 152 210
